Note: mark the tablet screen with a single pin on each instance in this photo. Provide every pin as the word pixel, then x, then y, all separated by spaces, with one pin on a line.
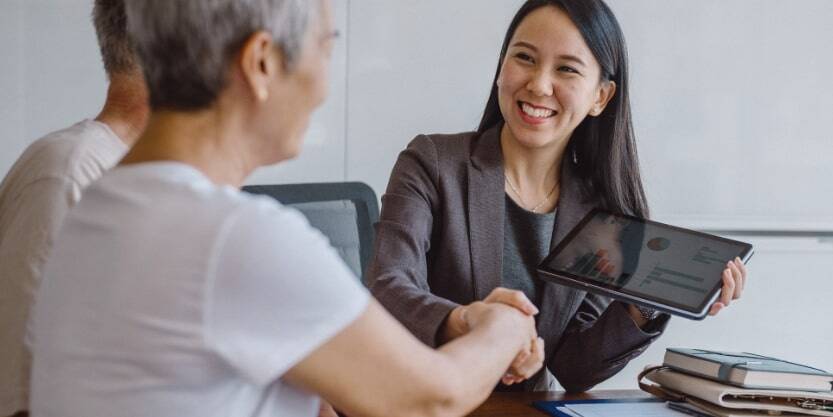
pixel 673 266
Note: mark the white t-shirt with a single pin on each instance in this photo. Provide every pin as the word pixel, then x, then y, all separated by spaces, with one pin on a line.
pixel 168 295
pixel 34 198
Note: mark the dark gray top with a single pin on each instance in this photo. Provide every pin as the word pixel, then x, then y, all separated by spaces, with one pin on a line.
pixel 439 244
pixel 526 242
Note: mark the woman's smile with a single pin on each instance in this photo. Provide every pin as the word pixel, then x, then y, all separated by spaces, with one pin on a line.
pixel 533 114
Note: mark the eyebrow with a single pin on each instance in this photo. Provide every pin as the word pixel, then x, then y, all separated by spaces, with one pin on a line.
pixel 566 57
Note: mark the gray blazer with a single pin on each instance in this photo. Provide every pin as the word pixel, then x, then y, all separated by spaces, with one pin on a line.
pixel 439 244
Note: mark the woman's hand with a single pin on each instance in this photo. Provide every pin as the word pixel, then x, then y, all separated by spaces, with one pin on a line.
pixel 526 364
pixel 734 280
pixel 530 356
pixel 512 298
pixel 455 325
pixel 529 360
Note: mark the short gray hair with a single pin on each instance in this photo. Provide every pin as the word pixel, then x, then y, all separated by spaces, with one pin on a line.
pixel 186 46
pixel 110 24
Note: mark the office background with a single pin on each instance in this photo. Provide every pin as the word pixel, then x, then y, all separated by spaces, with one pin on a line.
pixel 732 106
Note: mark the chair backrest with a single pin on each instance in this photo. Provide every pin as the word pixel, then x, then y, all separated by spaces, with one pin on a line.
pixel 345 212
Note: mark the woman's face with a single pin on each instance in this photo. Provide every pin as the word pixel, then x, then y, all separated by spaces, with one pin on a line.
pixel 549 80
pixel 303 88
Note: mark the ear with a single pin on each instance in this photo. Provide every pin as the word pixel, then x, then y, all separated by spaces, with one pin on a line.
pixel 605 92
pixel 260 61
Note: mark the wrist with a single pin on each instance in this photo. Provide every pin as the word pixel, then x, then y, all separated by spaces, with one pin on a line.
pixel 642 315
pixel 456 324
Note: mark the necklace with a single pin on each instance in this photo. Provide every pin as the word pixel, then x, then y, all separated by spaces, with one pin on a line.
pixel 518 193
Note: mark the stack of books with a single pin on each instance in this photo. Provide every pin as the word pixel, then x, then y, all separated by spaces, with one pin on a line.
pixel 723 384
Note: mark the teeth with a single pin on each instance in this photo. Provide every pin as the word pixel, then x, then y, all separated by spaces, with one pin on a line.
pixel 537 113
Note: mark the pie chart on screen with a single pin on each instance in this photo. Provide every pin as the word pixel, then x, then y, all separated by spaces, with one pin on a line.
pixel 659 244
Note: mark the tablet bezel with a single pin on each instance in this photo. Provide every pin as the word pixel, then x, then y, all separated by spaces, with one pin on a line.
pixel 584 283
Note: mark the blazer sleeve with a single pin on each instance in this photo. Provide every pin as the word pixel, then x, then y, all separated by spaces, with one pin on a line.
pixel 398 274
pixel 599 341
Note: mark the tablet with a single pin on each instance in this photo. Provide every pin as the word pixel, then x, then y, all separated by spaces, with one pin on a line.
pixel 643 262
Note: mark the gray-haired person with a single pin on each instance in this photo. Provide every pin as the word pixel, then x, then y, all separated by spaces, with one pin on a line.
pixel 47 180
pixel 172 293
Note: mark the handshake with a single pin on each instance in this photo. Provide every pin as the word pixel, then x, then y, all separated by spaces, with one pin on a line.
pixel 509 314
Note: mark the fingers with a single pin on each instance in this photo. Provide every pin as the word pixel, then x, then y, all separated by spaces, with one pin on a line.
pixel 534 360
pixel 526 364
pixel 734 281
pixel 742 267
pixel 728 291
pixel 512 298
pixel 740 274
pixel 716 307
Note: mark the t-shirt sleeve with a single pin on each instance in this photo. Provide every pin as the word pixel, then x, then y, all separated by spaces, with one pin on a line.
pixel 37 215
pixel 278 292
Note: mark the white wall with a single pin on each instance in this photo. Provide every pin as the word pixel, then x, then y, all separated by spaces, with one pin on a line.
pixel 731 100
pixel 732 109
pixel 51 71
pixel 417 67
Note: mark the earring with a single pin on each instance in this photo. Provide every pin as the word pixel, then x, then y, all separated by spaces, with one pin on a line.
pixel 262 94
pixel 575 157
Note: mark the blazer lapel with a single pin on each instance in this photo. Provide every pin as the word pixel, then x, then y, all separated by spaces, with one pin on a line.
pixel 572 207
pixel 485 212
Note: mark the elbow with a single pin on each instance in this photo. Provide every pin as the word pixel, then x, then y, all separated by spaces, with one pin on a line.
pixel 576 382
pixel 444 400
pixel 574 388
pixel 441 397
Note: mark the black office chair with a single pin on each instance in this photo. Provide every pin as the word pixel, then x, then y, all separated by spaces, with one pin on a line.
pixel 345 212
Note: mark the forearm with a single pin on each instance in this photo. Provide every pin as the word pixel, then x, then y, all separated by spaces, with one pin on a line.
pixel 478 360
pixel 420 311
pixel 397 375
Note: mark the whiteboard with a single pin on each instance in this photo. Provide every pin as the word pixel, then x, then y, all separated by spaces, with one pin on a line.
pixel 732 106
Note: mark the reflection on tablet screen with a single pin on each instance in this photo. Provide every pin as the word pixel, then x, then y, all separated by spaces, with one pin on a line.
pixel 652 261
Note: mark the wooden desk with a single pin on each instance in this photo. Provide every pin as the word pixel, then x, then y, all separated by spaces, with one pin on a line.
pixel 519 404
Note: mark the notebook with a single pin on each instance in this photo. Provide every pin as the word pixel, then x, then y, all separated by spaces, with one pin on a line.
pixel 748 370
pixel 700 391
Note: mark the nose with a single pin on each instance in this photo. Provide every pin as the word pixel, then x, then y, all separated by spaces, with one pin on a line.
pixel 540 84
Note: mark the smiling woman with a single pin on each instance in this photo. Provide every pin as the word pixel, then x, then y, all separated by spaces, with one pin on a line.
pixel 467 214
pixel 580 71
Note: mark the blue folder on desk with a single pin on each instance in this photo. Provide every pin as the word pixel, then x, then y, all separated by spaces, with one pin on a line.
pixel 552 407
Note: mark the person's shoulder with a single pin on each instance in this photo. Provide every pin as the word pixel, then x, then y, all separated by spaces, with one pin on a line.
pixel 446 141
pixel 444 146
pixel 260 211
pixel 76 153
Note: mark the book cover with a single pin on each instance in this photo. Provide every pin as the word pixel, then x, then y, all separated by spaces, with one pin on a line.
pixel 748 370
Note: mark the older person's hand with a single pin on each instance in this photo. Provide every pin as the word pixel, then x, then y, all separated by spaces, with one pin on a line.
pixel 734 281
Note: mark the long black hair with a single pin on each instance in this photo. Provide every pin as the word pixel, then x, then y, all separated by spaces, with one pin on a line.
pixel 603 148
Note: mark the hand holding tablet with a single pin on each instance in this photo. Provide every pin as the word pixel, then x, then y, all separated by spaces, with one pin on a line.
pixel 638 261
